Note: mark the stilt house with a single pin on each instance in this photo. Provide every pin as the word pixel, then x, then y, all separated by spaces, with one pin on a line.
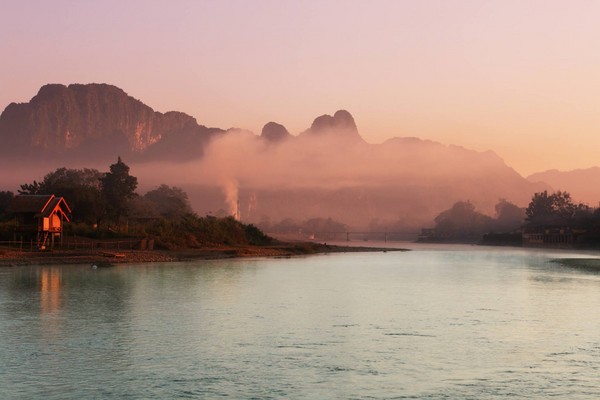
pixel 40 217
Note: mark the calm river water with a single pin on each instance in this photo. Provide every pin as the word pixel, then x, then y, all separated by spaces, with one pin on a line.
pixel 436 322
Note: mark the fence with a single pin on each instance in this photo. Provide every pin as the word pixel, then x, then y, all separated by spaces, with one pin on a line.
pixel 75 243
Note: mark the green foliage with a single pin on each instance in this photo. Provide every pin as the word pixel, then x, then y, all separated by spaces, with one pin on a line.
pixel 5 199
pixel 169 202
pixel 462 222
pixel 7 230
pixel 191 231
pixel 256 237
pixel 89 231
pixel 80 188
pixel 63 177
pixel 509 217
pixel 163 214
pixel 118 188
pixel 553 209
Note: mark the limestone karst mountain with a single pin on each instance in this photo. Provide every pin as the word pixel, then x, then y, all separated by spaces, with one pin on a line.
pixel 340 125
pixel 328 170
pixel 274 132
pixel 96 121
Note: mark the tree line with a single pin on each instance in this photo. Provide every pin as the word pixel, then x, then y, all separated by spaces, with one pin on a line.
pixel 462 222
pixel 106 204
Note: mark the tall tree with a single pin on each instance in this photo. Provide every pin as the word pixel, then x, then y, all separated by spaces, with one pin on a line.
pixel 170 202
pixel 552 208
pixel 117 188
pixel 79 187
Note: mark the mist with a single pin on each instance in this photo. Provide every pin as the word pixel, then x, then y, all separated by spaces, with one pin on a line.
pixel 401 184
pixel 327 171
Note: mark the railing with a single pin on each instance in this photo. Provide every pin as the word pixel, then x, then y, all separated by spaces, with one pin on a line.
pixel 82 244
pixel 12 245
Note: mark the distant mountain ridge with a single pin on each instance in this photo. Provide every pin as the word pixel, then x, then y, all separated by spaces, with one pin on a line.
pixel 326 171
pixel 92 120
pixel 582 184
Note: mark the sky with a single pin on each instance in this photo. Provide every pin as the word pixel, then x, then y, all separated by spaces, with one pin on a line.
pixel 521 78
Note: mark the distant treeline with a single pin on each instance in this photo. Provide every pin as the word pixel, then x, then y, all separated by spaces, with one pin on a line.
pixel 106 204
pixel 462 223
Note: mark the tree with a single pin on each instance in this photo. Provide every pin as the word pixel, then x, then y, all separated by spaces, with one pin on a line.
pixel 118 188
pixel 509 217
pixel 556 208
pixel 80 188
pixel 462 222
pixel 5 199
pixel 170 202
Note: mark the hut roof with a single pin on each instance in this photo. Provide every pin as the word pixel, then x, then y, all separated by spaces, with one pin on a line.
pixel 29 203
pixel 42 205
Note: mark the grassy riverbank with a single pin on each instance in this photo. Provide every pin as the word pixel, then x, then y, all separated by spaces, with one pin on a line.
pixel 14 258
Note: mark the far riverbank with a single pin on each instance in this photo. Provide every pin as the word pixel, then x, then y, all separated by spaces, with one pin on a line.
pixel 10 257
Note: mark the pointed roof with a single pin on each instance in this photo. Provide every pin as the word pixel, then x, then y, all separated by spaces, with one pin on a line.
pixel 56 205
pixel 42 205
pixel 29 203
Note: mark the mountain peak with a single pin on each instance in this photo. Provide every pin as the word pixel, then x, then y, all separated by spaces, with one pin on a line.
pixel 341 124
pixel 86 120
pixel 274 132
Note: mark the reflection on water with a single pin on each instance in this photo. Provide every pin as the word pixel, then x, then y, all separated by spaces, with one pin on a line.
pixel 50 281
pixel 437 322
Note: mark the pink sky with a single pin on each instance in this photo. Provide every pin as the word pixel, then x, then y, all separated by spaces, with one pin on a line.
pixel 519 77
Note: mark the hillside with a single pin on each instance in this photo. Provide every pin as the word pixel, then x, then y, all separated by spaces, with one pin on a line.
pixel 582 184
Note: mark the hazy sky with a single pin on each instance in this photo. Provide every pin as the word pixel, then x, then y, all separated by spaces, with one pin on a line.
pixel 519 77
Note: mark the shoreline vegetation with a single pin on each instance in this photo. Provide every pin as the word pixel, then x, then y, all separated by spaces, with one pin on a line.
pixel 586 264
pixel 13 258
pixel 99 219
pixel 107 223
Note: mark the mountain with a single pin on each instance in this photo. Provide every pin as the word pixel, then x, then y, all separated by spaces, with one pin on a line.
pixel 96 121
pixel 326 171
pixel 582 184
pixel 340 125
pixel 329 171
pixel 274 132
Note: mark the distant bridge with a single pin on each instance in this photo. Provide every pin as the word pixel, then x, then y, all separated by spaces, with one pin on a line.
pixel 356 235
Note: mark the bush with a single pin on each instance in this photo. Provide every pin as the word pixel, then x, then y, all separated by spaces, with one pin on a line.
pixel 191 231
pixel 7 230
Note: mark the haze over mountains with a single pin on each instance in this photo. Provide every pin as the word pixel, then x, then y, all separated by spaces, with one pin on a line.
pixel 583 184
pixel 326 171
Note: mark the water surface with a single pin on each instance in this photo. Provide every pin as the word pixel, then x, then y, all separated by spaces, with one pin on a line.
pixel 436 322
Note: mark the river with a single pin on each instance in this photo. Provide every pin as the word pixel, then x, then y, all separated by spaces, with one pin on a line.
pixel 437 322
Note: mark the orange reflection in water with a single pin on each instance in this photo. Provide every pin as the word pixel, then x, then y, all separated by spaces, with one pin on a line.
pixel 50 289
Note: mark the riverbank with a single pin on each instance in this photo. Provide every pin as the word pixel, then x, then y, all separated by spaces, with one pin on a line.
pixel 589 264
pixel 15 258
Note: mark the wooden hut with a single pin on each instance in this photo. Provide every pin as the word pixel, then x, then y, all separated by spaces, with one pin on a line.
pixel 40 217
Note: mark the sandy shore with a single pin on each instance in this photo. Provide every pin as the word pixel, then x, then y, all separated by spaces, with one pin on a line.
pixel 15 258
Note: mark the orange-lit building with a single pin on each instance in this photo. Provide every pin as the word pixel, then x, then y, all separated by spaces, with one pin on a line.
pixel 40 217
